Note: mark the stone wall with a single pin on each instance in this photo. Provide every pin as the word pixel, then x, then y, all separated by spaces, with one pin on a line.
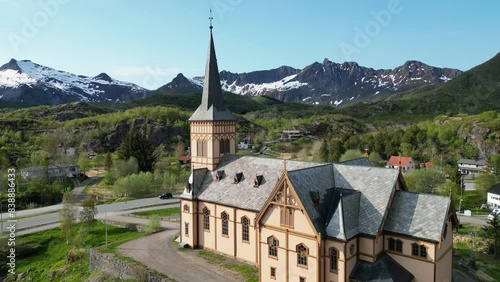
pixel 109 264
pixel 130 226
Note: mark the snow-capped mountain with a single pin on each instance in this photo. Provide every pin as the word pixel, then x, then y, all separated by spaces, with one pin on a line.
pixel 32 83
pixel 324 83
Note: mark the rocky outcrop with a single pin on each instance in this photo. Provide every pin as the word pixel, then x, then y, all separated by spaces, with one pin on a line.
pixel 480 137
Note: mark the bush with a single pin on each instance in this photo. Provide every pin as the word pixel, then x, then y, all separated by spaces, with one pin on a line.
pixel 153 224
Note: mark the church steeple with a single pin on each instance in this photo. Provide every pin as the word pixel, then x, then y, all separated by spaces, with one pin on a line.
pixel 212 102
pixel 212 125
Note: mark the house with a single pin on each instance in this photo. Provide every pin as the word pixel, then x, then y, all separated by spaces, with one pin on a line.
pixel 287 135
pixel 55 172
pixel 468 166
pixel 493 196
pixel 406 164
pixel 184 160
pixel 307 221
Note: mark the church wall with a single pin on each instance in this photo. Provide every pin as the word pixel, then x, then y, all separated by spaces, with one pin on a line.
pixel 351 253
pixel 339 274
pixel 444 267
pixel 447 242
pixel 366 249
pixel 207 237
pixel 246 250
pixel 187 217
pixel 266 261
pixel 379 245
pixel 422 270
pixel 301 223
pixel 226 243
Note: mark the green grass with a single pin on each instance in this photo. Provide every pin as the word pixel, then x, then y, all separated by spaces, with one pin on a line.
pixel 250 273
pixel 472 200
pixel 47 259
pixel 160 212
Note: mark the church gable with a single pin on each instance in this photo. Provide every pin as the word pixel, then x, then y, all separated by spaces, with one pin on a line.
pixel 283 209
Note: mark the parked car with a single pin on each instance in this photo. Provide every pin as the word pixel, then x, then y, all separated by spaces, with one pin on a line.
pixel 492 214
pixel 166 195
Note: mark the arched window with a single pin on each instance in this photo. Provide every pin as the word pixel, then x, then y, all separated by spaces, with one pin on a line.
pixel 302 253
pixel 245 222
pixel 418 250
pixel 206 218
pixel 185 208
pixel 224 146
pixel 273 246
pixel 334 259
pixel 225 220
pixel 399 246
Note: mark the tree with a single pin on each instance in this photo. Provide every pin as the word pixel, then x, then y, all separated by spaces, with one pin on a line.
pixel 108 161
pixel 492 231
pixel 376 159
pixel 494 164
pixel 88 213
pixel 67 215
pixel 84 162
pixel 351 155
pixel 138 145
pixel 485 181
pixel 424 180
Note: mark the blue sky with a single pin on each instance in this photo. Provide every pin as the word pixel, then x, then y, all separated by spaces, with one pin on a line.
pixel 149 41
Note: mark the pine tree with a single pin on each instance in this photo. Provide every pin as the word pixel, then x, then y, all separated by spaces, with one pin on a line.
pixel 108 161
pixel 138 145
pixel 492 231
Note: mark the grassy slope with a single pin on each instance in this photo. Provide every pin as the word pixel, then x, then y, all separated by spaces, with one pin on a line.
pixel 49 263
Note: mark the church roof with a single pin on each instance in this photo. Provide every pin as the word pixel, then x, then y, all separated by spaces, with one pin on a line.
pixel 384 269
pixel 418 215
pixel 212 102
pixel 244 194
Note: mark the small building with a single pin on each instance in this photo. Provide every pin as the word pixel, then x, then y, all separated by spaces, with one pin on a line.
pixel 287 135
pixel 55 172
pixel 407 164
pixel 468 166
pixel 493 199
pixel 243 145
pixel 184 160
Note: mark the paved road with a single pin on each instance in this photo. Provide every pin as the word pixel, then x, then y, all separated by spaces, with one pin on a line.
pixel 159 253
pixel 475 219
pixel 49 215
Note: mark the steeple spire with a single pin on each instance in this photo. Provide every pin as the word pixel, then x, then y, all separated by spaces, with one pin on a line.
pixel 212 102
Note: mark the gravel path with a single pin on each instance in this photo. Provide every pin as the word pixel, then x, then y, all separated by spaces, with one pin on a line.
pixel 159 253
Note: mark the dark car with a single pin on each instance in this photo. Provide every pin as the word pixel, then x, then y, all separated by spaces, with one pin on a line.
pixel 166 195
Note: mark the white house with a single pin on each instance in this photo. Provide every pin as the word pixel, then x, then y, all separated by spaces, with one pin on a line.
pixel 54 171
pixel 468 166
pixel 493 200
pixel 406 163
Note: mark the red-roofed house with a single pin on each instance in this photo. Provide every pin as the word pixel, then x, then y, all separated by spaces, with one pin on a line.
pixel 407 163
pixel 185 160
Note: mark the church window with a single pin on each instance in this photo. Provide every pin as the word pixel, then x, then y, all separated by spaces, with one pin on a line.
pixel 225 220
pixel 206 219
pixel 302 253
pixel 245 222
pixel 186 208
pixel 273 246
pixel 334 259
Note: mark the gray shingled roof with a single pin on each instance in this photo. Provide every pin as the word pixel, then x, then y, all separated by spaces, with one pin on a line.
pixel 384 269
pixel 418 215
pixel 495 189
pixel 212 105
pixel 244 195
pixel 376 186
pixel 344 222
pixel 359 161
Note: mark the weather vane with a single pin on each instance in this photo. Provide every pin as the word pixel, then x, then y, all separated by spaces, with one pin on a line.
pixel 211 18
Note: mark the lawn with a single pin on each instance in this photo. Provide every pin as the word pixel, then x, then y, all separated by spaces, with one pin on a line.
pixel 472 200
pixel 44 255
pixel 469 243
pixel 250 273
pixel 160 212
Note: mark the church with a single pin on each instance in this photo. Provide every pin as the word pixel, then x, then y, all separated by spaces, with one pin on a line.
pixel 305 221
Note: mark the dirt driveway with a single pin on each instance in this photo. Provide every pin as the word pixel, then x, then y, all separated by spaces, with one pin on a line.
pixel 158 253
